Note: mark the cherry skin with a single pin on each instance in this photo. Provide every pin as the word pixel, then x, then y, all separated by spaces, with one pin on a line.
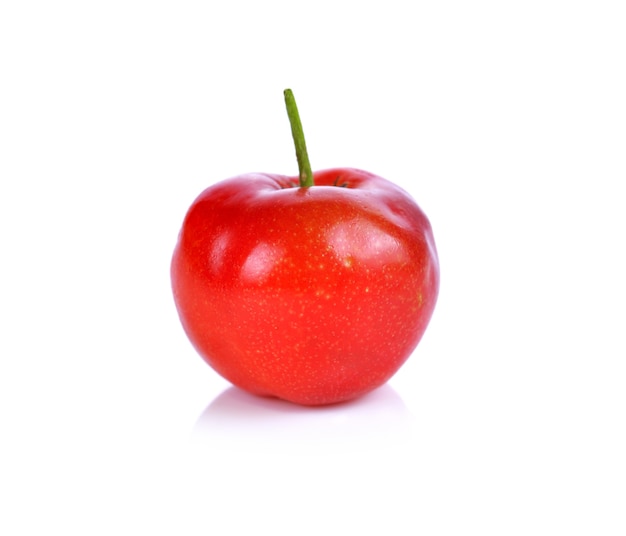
pixel 313 294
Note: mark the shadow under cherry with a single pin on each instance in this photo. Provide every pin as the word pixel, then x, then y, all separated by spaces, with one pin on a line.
pixel 236 420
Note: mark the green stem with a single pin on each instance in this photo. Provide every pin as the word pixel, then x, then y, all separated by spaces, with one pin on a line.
pixel 306 175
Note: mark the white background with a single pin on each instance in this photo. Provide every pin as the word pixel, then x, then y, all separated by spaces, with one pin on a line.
pixel 507 123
